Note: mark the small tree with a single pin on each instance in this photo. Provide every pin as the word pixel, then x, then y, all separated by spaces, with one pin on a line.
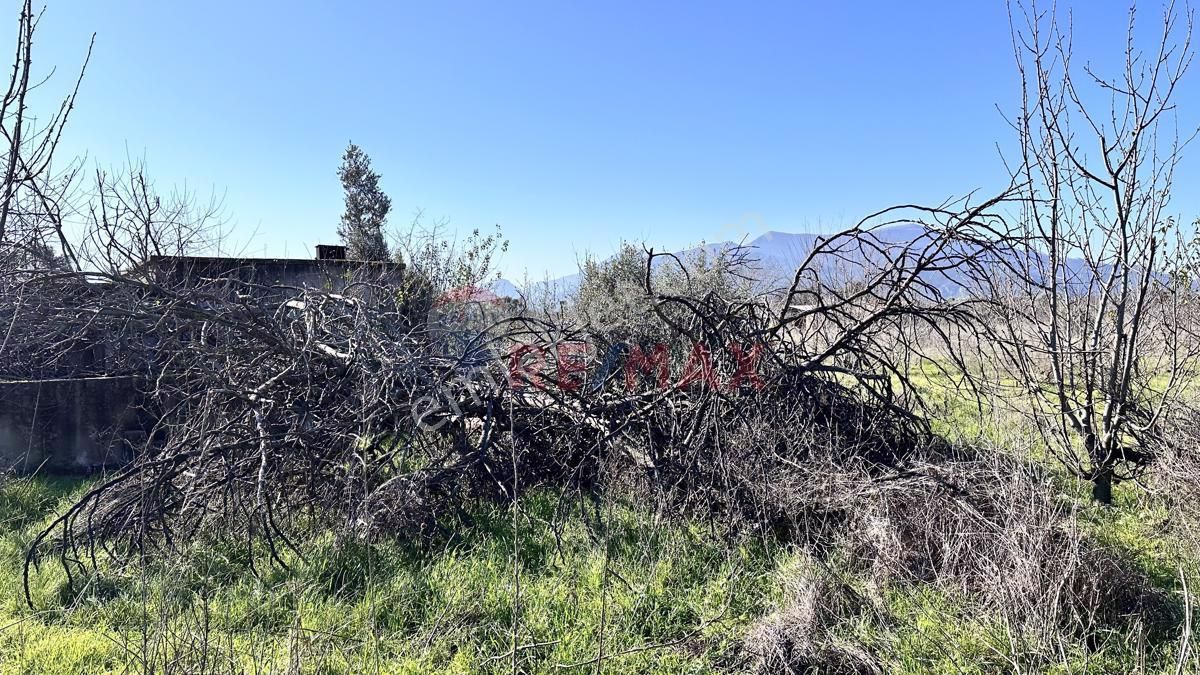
pixel 437 261
pixel 613 302
pixel 367 208
pixel 1093 316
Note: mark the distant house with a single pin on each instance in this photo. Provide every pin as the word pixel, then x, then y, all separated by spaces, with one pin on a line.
pixel 329 271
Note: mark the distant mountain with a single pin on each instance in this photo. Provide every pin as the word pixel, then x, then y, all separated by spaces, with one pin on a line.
pixel 775 256
pixel 505 288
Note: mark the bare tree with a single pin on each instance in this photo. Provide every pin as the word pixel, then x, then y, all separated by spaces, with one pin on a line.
pixel 35 199
pixel 126 222
pixel 1094 314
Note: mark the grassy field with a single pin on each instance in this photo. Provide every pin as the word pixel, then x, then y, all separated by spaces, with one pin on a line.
pixel 601 588
pixel 662 599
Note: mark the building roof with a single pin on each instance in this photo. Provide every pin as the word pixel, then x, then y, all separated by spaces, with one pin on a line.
pixel 165 262
pixel 224 260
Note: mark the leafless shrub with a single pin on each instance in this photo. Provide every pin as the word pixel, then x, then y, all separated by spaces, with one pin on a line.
pixel 992 529
pixel 1091 283
pixel 273 406
pixel 986 530
pixel 1175 483
pixel 128 222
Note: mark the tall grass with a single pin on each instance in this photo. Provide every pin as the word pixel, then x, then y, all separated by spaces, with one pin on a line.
pixel 559 584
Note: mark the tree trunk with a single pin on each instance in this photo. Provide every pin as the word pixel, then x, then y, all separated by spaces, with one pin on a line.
pixel 1102 484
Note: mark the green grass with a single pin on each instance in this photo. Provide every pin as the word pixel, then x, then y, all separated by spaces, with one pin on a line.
pixel 350 607
pixel 656 598
pixel 566 589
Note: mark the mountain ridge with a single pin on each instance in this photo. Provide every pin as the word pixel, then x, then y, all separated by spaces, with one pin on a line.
pixel 775 257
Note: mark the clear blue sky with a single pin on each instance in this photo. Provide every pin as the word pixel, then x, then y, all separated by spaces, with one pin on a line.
pixel 571 125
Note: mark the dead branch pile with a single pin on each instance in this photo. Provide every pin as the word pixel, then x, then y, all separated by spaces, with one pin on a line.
pixel 282 404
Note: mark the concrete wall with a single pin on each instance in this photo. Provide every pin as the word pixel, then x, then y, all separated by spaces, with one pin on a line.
pixel 68 426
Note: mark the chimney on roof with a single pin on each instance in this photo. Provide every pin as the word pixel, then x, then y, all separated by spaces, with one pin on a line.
pixel 330 252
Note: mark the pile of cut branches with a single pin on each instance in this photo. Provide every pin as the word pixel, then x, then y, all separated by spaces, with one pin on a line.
pixel 282 407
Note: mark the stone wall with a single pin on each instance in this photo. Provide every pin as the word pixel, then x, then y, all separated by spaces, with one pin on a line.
pixel 68 426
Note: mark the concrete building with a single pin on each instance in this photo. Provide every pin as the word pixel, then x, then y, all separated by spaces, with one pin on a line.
pixel 329 271
pixel 84 417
